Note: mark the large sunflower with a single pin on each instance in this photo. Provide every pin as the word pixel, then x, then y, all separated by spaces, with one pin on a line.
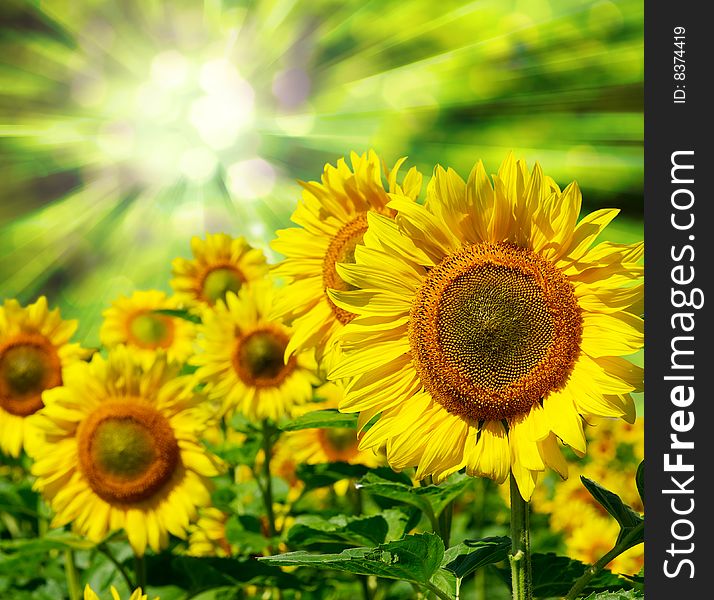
pixel 34 351
pixel 220 264
pixel 242 357
pixel 135 322
pixel 120 450
pixel 488 326
pixel 332 218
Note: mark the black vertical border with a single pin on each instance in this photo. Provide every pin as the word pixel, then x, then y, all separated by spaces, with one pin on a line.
pixel 671 127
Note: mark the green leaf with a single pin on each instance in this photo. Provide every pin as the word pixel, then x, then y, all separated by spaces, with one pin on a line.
pixel 322 419
pixel 195 574
pixel 621 595
pixel 179 314
pixel 414 558
pixel 351 531
pixel 623 514
pixel 640 481
pixel 52 541
pixel 322 475
pixel 553 576
pixel 464 558
pixel 431 499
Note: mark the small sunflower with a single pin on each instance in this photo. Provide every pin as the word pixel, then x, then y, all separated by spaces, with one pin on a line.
pixel 119 449
pixel 34 351
pixel 332 218
pixel 137 594
pixel 134 322
pixel 335 444
pixel 242 357
pixel 488 325
pixel 207 537
pixel 220 264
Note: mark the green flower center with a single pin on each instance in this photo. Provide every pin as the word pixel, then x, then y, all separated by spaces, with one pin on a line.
pixel 123 448
pixel 151 330
pixel 127 450
pixel 262 354
pixel 219 282
pixel 24 369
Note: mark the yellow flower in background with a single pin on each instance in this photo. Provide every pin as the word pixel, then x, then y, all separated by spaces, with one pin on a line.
pixel 242 357
pixel 34 351
pixel 137 594
pixel 488 325
pixel 207 537
pixel 119 449
pixel 331 219
pixel 134 322
pixel 220 264
pixel 335 444
pixel 595 538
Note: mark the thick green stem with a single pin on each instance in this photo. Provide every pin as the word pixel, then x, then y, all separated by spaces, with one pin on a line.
pixel 591 571
pixel 520 556
pixel 70 569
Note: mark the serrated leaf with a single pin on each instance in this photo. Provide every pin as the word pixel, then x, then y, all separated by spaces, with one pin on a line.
pixel 621 595
pixel 351 531
pixel 323 419
pixel 640 481
pixel 464 558
pixel 415 559
pixel 179 314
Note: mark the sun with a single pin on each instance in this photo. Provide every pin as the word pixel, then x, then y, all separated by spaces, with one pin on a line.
pixel 331 219
pixel 120 449
pixel 34 351
pixel 488 326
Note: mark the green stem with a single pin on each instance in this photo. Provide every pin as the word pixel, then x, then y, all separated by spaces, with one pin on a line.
pixel 70 569
pixel 140 572
pixel 267 488
pixel 104 549
pixel 624 544
pixel 445 519
pixel 520 556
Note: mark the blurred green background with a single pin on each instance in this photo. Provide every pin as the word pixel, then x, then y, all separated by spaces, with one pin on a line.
pixel 127 127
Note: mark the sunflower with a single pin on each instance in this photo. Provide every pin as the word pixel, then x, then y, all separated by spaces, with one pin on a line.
pixel 119 449
pixel 242 357
pixel 34 351
pixel 135 322
pixel 137 594
pixel 220 264
pixel 488 325
pixel 332 219
pixel 207 537
pixel 325 445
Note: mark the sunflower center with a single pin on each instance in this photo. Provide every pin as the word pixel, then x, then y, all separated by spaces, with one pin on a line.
pixel 219 281
pixel 151 330
pixel 339 439
pixel 342 250
pixel 259 358
pixel 28 365
pixel 493 329
pixel 127 450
